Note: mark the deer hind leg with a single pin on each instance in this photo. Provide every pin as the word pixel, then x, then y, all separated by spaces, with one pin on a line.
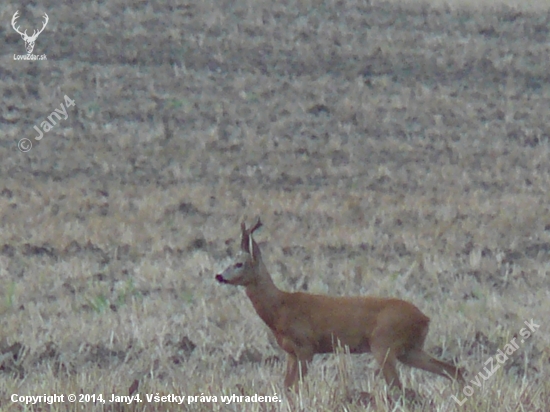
pixel 417 358
pixel 385 356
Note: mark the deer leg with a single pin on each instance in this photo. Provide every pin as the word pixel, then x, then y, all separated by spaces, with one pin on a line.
pixel 296 369
pixel 291 370
pixel 387 360
pixel 417 358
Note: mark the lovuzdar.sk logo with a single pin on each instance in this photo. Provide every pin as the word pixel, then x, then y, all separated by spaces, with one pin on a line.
pixel 29 40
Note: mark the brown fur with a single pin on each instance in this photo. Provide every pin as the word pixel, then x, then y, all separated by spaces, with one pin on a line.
pixel 305 324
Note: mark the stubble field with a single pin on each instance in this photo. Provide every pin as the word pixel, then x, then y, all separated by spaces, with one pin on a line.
pixel 391 149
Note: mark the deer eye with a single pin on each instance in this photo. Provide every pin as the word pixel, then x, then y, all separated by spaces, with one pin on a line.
pixel 238 265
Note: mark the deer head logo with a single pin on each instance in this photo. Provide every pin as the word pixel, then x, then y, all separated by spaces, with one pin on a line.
pixel 29 40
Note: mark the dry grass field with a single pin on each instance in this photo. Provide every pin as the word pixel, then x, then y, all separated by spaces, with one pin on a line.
pixel 391 149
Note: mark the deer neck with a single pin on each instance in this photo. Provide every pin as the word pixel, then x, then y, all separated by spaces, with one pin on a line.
pixel 265 296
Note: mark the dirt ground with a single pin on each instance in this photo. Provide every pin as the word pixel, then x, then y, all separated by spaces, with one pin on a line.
pixel 390 148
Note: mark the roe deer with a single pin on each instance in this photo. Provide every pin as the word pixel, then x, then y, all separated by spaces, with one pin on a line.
pixel 305 324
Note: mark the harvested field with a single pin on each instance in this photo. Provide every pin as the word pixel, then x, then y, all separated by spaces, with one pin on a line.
pixel 392 148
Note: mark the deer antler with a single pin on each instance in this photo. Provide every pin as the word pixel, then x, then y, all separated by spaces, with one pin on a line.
pixel 245 235
pixel 46 19
pixel 35 33
pixel 256 226
pixel 15 17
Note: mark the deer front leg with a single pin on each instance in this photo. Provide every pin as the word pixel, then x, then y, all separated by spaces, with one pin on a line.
pixel 296 369
pixel 291 376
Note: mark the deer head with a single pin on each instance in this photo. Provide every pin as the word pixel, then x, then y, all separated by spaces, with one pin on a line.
pixel 29 40
pixel 243 270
